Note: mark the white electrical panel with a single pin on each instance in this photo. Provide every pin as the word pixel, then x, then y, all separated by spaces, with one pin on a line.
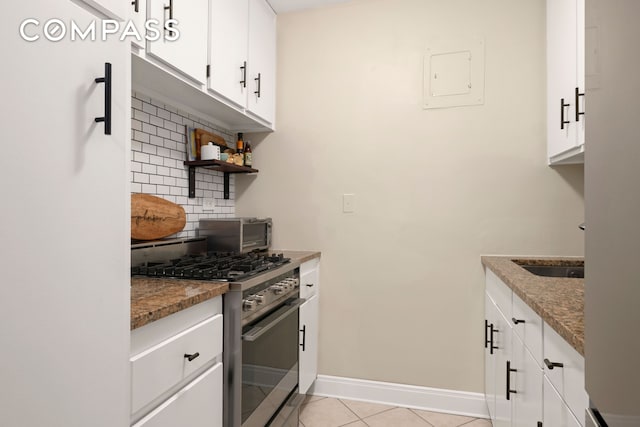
pixel 454 73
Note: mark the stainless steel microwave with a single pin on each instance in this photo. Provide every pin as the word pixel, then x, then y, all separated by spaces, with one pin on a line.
pixel 236 234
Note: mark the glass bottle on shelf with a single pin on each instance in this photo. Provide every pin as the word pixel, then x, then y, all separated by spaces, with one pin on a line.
pixel 248 155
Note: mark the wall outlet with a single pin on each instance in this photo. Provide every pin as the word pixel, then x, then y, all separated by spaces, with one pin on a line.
pixel 208 204
pixel 348 203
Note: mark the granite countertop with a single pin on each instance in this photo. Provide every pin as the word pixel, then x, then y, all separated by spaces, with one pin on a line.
pixel 155 298
pixel 559 301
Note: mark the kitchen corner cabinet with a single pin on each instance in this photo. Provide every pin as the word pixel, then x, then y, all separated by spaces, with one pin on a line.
pixel 532 375
pixel 565 81
pixel 176 369
pixel 187 54
pixel 309 311
pixel 513 376
pixel 261 68
pixel 64 332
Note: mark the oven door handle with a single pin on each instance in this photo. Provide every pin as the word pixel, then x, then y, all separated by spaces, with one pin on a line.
pixel 272 320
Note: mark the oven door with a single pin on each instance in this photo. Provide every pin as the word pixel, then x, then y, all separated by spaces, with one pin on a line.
pixel 269 363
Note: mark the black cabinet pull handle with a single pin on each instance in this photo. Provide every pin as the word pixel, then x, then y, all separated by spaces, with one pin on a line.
pixel 516 321
pixel 578 112
pixel 257 92
pixel 136 5
pixel 309 285
pixel 509 370
pixel 107 98
pixel 493 347
pixel 562 120
pixel 243 82
pixel 190 357
pixel 551 365
pixel 486 333
pixel 304 336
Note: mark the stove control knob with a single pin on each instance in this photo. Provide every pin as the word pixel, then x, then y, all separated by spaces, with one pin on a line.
pixel 259 299
pixel 277 289
pixel 248 305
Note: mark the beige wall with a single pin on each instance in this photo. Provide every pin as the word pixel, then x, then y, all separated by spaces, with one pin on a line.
pixel 402 282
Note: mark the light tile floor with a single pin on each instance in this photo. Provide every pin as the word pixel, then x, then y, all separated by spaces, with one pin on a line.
pixel 319 411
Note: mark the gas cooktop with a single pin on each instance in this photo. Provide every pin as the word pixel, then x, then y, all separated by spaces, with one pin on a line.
pixel 229 267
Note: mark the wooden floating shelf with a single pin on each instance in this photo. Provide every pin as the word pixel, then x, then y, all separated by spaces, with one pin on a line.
pixel 217 165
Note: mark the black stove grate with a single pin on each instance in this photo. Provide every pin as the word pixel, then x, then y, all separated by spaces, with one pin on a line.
pixel 212 266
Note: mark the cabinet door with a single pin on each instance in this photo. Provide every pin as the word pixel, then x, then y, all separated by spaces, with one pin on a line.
pixel 228 44
pixel 580 70
pixel 562 70
pixel 199 404
pixel 502 337
pixel 262 60
pixel 64 305
pixel 138 15
pixel 556 412
pixel 187 54
pixel 526 381
pixel 114 9
pixel 308 353
pixel 489 358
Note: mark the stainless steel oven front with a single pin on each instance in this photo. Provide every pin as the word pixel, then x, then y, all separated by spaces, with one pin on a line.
pixel 263 362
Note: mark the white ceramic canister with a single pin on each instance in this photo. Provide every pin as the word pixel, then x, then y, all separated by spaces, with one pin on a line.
pixel 210 152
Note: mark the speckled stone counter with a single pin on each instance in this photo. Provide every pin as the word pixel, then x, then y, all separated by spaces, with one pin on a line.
pixel 155 298
pixel 559 301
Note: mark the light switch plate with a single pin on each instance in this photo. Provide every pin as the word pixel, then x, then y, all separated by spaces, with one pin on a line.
pixel 208 204
pixel 348 203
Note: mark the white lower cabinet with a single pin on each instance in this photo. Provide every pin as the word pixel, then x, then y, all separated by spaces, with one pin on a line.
pixel 199 404
pixel 556 411
pixel 176 369
pixel 497 354
pixel 309 317
pixel 526 386
pixel 533 377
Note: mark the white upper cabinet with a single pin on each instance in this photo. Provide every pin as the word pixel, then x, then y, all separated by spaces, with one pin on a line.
pixel 137 13
pixel 188 53
pixel 113 9
pixel 261 69
pixel 228 44
pixel 565 81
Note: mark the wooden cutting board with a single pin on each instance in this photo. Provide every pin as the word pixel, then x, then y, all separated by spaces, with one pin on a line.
pixel 154 218
pixel 203 138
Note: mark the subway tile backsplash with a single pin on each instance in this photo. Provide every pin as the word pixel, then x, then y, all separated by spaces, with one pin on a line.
pixel 158 152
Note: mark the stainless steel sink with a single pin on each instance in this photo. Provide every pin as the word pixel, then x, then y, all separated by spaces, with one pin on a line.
pixel 572 271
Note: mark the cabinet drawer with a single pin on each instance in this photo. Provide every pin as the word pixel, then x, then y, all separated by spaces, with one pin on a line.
pixel 199 404
pixel 499 293
pixel 529 331
pixel 556 412
pixel 569 379
pixel 309 278
pixel 164 365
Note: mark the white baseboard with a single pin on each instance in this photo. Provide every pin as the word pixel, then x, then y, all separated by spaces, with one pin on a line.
pixel 408 396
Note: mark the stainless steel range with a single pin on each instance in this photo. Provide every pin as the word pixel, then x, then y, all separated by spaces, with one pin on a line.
pixel 261 332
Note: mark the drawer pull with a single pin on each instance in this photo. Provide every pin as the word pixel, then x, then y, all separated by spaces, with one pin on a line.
pixel 309 285
pixel 516 321
pixel 551 365
pixel 190 357
pixel 509 371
